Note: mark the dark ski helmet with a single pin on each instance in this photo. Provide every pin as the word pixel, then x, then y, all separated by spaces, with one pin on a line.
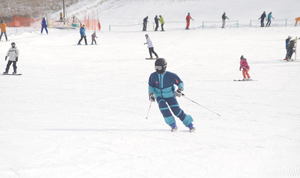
pixel 160 65
pixel 13 44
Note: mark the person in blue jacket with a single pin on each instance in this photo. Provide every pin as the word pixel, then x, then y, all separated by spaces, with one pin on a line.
pixel 162 89
pixel 44 25
pixel 270 17
pixel 83 35
pixel 287 42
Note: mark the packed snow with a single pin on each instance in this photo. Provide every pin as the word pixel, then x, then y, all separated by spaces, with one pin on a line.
pixel 80 111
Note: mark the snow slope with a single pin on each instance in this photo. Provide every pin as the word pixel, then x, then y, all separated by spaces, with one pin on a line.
pixel 127 12
pixel 79 111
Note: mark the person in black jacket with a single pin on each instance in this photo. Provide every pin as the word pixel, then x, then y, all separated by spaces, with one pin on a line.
pixel 156 23
pixel 145 21
pixel 262 18
pixel 224 17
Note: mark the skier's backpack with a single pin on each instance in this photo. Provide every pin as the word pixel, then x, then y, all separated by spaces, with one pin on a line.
pixel 291 44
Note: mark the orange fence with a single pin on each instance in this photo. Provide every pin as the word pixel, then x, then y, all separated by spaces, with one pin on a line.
pixel 90 23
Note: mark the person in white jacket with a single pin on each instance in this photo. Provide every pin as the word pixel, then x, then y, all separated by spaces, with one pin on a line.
pixel 150 46
pixel 13 54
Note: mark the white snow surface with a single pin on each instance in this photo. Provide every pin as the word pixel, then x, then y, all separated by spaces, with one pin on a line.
pixel 80 111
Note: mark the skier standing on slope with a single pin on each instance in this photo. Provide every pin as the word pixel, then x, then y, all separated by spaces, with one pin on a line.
pixel 262 18
pixel 291 49
pixel 94 36
pixel 244 65
pixel 188 19
pixel 161 88
pixel 150 46
pixel 162 22
pixel 83 35
pixel 13 54
pixel 287 41
pixel 145 21
pixel 270 17
pixel 44 26
pixel 224 17
pixel 3 30
pixel 156 22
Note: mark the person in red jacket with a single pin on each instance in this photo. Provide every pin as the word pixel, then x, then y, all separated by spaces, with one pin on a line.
pixel 188 19
pixel 244 65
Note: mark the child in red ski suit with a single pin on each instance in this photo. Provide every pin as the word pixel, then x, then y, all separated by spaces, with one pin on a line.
pixel 244 65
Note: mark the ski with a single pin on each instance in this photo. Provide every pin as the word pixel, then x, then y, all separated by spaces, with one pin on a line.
pixel 12 74
pixel 241 80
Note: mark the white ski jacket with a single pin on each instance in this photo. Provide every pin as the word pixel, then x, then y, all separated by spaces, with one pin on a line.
pixel 149 43
pixel 12 53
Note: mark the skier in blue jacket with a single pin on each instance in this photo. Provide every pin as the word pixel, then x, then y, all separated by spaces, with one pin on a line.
pixel 270 17
pixel 83 35
pixel 162 89
pixel 44 25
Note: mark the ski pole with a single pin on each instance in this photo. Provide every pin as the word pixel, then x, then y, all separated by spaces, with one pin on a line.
pixel 200 105
pixel 148 110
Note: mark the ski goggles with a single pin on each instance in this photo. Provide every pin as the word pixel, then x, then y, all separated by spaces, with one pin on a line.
pixel 159 67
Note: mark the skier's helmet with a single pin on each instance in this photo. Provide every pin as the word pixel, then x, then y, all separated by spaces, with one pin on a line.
pixel 160 65
pixel 13 44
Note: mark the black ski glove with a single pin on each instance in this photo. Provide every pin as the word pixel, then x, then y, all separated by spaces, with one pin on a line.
pixel 151 97
pixel 5 58
pixel 17 58
pixel 178 92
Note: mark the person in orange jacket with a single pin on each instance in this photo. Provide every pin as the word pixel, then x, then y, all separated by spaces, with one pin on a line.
pixel 3 30
pixel 188 19
pixel 297 20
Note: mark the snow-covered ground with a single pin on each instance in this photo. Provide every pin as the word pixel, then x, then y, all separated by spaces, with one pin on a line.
pixel 79 111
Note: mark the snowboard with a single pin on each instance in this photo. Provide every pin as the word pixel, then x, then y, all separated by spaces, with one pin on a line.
pixel 12 74
pixel 151 58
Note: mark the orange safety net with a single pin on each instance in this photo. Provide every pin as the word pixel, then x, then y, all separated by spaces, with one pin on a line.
pixel 90 23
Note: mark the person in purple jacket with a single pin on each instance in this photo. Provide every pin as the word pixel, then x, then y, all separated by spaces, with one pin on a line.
pixel 161 88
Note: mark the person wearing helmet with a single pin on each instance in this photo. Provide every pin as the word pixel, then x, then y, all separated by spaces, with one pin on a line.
pixel 3 30
pixel 150 46
pixel 188 19
pixel 162 89
pixel 13 54
pixel 244 65
pixel 83 35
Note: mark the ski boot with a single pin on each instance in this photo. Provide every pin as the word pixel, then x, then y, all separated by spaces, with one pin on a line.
pixel 174 127
pixel 191 127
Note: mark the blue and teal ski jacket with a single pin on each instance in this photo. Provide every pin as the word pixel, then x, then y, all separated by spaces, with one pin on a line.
pixel 162 85
pixel 82 31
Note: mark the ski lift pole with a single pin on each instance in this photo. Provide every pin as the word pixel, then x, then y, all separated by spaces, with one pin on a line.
pixel 200 105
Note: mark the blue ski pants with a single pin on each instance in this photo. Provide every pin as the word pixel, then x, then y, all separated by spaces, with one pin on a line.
pixel 165 104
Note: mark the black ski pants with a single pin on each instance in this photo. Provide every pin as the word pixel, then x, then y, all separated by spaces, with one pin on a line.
pixel 145 26
pixel 4 34
pixel 151 50
pixel 156 26
pixel 81 39
pixel 14 66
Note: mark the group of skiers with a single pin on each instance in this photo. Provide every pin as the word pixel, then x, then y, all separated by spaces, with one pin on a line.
pixel 83 36
pixel 224 18
pixel 262 19
pixel 156 20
